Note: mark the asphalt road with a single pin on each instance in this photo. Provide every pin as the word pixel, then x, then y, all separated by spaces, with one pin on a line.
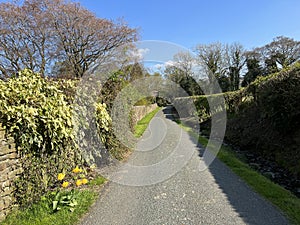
pixel 162 185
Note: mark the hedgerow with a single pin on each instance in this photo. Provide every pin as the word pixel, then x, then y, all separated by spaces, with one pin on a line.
pixel 37 115
pixel 263 117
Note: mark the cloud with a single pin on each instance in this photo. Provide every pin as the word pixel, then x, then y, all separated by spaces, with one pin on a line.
pixel 159 66
pixel 170 63
pixel 139 54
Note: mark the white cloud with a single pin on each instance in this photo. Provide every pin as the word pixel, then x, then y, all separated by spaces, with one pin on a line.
pixel 159 66
pixel 139 54
pixel 170 63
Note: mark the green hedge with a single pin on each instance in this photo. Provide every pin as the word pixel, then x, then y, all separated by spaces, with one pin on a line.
pixel 38 113
pixel 262 117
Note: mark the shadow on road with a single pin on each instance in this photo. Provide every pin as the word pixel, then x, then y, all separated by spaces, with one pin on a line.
pixel 250 206
pixel 170 113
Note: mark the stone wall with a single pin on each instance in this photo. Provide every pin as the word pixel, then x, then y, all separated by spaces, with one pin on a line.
pixel 140 111
pixel 9 170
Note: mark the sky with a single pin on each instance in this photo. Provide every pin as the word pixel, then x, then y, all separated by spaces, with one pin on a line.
pixel 252 23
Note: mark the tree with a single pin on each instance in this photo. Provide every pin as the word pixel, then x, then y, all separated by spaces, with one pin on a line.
pixel 284 50
pixel 236 60
pixel 84 38
pixel 211 57
pixel 214 59
pixel 181 71
pixel 280 53
pixel 26 40
pixel 39 33
pixel 254 70
pixel 133 71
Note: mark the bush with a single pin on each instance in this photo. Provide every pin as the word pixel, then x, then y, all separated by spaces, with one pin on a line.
pixel 36 113
pixel 145 101
pixel 278 97
pixel 105 131
pixel 263 117
pixel 42 116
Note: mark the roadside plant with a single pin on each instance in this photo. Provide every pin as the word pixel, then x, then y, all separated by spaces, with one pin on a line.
pixel 65 194
pixel 36 113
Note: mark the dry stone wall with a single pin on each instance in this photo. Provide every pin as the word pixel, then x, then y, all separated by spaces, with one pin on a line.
pixel 9 171
pixel 140 111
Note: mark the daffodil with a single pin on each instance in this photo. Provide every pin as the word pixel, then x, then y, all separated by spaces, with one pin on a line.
pixel 78 182
pixel 65 184
pixel 61 176
pixel 77 170
pixel 84 181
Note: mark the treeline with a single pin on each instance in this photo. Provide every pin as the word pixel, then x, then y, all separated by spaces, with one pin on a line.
pixel 231 66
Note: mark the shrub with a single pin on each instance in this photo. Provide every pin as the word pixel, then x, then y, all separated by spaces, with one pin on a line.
pixel 278 97
pixel 266 117
pixel 263 117
pixel 36 113
pixel 105 131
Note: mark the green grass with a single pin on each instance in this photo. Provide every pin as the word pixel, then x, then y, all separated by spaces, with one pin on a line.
pixel 141 126
pixel 280 197
pixel 97 181
pixel 41 212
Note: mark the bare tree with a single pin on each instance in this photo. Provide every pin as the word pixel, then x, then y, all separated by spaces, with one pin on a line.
pixel 84 38
pixel 26 40
pixel 279 54
pixel 285 50
pixel 38 34
pixel 236 59
pixel 182 71
pixel 211 57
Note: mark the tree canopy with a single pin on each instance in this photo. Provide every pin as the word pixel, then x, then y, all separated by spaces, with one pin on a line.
pixel 59 36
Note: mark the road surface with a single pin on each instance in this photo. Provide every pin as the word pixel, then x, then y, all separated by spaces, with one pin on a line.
pixel 173 195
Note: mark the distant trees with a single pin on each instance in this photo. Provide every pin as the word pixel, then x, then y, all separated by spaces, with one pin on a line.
pixel 56 36
pixel 227 63
pixel 236 60
pixel 280 53
pixel 254 70
pixel 222 62
pixel 211 57
pixel 133 71
pixel 271 58
pixel 181 72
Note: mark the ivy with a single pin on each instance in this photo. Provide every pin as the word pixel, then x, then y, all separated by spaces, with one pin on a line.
pixel 37 114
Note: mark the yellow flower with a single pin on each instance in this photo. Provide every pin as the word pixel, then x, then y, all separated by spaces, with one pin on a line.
pixel 78 182
pixel 61 176
pixel 77 170
pixel 65 184
pixel 84 181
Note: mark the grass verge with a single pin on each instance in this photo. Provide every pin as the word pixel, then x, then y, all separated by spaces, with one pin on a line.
pixel 288 203
pixel 41 213
pixel 141 126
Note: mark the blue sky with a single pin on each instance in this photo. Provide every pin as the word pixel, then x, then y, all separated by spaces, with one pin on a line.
pixel 252 23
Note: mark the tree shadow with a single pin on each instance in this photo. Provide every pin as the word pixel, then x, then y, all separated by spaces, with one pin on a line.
pixel 170 113
pixel 251 207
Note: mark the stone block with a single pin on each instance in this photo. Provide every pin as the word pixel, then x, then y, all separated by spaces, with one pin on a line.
pixel 2 206
pixel 3 165
pixel 7 201
pixel 2 216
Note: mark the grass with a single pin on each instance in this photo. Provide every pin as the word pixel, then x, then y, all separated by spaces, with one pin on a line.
pixel 142 125
pixel 41 212
pixel 97 181
pixel 288 203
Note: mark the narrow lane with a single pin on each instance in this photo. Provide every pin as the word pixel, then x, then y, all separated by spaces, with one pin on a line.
pixel 179 196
